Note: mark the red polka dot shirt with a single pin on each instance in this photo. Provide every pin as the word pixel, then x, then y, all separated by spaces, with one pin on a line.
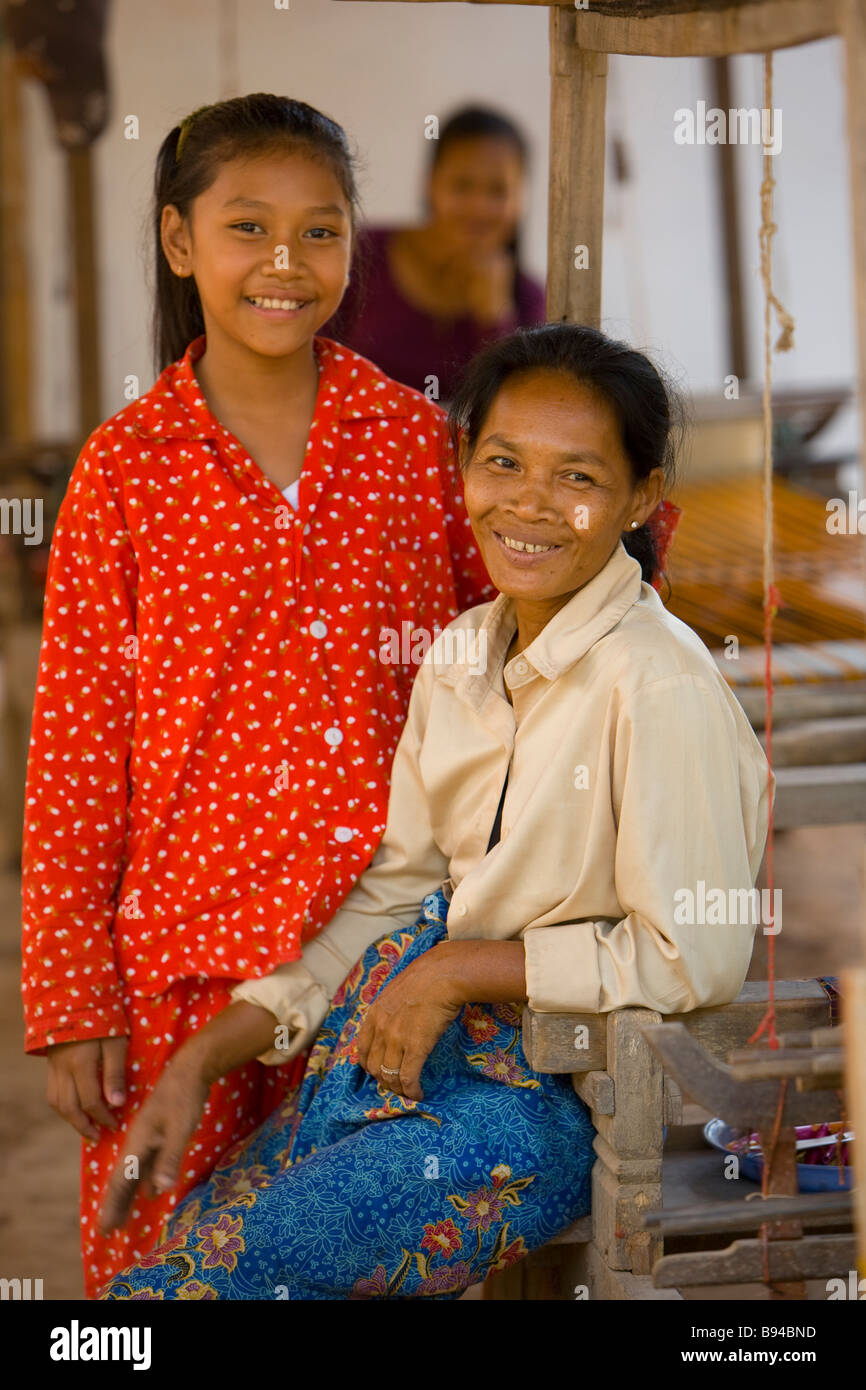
pixel 214 721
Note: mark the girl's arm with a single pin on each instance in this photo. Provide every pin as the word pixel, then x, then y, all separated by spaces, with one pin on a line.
pixel 76 798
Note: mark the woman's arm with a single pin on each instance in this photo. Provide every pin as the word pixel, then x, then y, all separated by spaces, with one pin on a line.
pixel 158 1136
pixel 407 1019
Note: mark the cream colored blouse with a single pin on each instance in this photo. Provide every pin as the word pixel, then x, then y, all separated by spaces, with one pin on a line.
pixel 636 788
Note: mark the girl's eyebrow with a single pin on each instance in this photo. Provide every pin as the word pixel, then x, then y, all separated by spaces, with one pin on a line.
pixel 584 456
pixel 328 208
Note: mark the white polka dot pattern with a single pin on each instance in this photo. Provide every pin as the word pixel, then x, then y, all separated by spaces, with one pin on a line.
pixel 213 729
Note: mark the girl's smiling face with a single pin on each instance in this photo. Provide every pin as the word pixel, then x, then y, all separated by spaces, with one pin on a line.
pixel 269 244
pixel 548 470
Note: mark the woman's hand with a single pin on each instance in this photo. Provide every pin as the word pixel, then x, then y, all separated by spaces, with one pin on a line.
pixel 157 1138
pixel 405 1022
pixel 160 1133
pixel 84 1079
pixel 409 1016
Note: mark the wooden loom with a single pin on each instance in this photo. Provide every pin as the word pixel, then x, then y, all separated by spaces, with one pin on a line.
pixel 627 1090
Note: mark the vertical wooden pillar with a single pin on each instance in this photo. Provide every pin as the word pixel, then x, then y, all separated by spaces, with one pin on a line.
pixel 627 1179
pixel 16 424
pixel 79 163
pixel 578 88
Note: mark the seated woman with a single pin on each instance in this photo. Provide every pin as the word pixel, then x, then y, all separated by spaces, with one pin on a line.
pixel 423 300
pixel 571 763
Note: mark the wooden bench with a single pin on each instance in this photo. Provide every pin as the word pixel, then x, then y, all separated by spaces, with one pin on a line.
pixel 608 1254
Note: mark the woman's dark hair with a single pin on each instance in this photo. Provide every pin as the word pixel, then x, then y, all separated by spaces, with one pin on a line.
pixel 477 123
pixel 188 162
pixel 649 409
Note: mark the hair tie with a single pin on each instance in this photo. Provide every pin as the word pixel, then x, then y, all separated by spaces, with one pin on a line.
pixel 184 130
pixel 661 525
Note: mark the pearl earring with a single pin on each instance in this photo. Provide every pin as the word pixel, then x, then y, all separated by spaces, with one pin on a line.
pixel 633 525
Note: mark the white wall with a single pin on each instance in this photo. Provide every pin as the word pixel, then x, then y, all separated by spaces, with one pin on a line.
pixel 379 70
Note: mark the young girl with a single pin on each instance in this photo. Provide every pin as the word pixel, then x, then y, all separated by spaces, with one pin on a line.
pixel 213 727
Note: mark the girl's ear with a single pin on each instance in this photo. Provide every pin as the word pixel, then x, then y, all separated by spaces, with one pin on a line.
pixel 174 235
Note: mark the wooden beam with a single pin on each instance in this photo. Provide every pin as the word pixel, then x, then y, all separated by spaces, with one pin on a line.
pixel 16 423
pixel 711 30
pixel 578 88
pixel 714 1217
pixel 813 1257
pixel 79 164
pixel 829 794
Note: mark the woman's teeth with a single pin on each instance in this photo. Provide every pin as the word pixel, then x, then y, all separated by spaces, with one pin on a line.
pixel 261 303
pixel 524 545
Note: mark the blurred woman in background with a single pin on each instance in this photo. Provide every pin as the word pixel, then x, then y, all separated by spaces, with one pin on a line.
pixel 424 299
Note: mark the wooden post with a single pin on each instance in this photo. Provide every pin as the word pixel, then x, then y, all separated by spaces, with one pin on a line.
pixel 627 1179
pixel 16 425
pixel 578 87
pixel 852 22
pixel 79 163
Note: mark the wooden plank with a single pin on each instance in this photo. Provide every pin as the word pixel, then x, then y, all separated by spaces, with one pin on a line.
pixel 751 1105
pixel 725 1217
pixel 812 1257
pixel 669 30
pixel 560 1043
pixel 596 1090
pixel 578 87
pixel 819 741
pixel 800 1004
pixel 16 419
pixel 803 702
pixel 824 795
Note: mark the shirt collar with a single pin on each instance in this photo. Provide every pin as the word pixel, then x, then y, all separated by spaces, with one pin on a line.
pixel 579 624
pixel 175 408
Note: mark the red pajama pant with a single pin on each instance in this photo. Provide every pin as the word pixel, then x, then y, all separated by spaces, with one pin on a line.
pixel 236 1106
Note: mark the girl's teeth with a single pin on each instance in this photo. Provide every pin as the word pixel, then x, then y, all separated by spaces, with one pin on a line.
pixel 524 545
pixel 276 303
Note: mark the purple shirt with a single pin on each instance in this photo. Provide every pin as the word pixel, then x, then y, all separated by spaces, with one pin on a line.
pixel 407 343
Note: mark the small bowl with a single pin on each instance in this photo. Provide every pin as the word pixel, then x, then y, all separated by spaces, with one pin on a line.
pixel 811 1177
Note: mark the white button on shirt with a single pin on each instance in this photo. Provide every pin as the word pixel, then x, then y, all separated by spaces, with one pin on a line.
pixel 672 793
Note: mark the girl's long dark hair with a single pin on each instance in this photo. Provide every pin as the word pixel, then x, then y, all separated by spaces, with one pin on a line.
pixel 649 409
pixel 187 164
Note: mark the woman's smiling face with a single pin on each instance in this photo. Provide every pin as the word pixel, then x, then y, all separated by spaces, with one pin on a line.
pixel 548 470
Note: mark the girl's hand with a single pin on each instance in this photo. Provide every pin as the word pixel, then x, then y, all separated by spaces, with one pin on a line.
pixel 157 1138
pixel 78 1092
pixel 406 1020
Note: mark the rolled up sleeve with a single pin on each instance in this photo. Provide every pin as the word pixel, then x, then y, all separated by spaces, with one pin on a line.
pixel 690 798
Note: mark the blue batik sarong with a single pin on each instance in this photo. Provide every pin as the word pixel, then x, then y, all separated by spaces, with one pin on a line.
pixel 349 1191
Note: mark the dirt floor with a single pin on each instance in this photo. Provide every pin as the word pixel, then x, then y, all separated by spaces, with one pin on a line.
pixel 818 870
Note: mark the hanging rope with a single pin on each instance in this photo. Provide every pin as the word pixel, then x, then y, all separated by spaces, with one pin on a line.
pixel 772 598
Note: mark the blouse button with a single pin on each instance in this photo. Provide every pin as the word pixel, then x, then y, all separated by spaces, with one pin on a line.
pixel 333 736
pixel 318 628
pixel 461 909
pixel 343 833
pixel 521 668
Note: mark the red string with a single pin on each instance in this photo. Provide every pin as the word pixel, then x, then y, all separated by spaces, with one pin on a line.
pixel 768 1022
